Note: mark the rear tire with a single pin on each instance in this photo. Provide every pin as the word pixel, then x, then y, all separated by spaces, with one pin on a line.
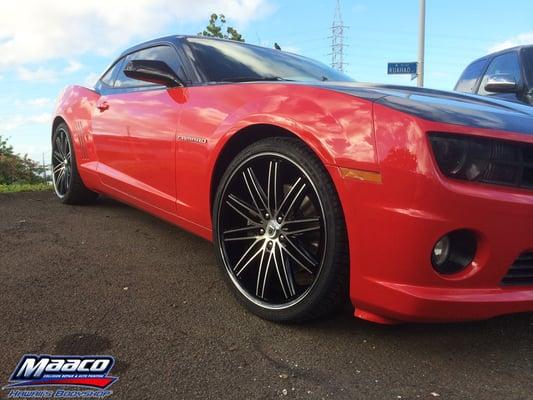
pixel 280 237
pixel 68 185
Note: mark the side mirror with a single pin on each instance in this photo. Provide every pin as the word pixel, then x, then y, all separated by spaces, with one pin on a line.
pixel 501 83
pixel 153 71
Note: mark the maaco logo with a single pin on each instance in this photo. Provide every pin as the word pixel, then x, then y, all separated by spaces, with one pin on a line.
pixel 44 370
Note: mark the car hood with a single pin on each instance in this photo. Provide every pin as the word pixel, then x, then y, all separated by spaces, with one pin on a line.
pixel 441 106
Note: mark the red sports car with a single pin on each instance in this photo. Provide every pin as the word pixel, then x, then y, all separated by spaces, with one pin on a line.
pixel 417 204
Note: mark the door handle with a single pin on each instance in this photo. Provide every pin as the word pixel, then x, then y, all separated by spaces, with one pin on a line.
pixel 103 106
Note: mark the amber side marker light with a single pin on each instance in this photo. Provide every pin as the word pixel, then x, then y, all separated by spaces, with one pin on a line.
pixel 368 176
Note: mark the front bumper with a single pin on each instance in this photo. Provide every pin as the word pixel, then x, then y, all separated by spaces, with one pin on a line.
pixel 393 226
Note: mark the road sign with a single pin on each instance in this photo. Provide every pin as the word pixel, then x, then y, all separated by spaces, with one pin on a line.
pixel 408 68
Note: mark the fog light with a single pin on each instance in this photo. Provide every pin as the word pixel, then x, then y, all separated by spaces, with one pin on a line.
pixel 441 251
pixel 454 252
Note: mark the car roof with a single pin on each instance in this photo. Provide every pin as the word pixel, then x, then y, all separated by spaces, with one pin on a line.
pixel 497 53
pixel 174 39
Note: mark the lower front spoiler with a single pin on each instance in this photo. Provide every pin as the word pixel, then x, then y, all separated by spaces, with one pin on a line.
pixel 431 304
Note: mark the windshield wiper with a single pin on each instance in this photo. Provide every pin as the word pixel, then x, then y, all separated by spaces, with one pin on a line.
pixel 255 79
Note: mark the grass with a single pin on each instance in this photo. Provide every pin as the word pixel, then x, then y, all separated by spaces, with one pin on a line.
pixel 25 187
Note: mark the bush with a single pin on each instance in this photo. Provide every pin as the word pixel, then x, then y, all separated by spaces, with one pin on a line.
pixel 25 187
pixel 15 168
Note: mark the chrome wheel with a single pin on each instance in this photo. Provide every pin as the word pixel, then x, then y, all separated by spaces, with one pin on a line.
pixel 271 230
pixel 61 163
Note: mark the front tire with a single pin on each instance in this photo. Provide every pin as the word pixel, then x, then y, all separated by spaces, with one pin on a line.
pixel 279 232
pixel 68 185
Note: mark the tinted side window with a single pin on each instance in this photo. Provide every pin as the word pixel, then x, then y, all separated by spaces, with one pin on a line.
pixel 109 77
pixel 527 57
pixel 467 81
pixel 222 60
pixel 507 63
pixel 161 53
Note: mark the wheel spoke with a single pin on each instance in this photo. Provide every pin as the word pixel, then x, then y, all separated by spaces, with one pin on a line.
pixel 58 168
pixel 255 189
pixel 61 174
pixel 284 274
pixel 243 209
pixel 249 260
pixel 314 227
pixel 59 180
pixel 59 148
pixel 301 221
pixel 281 281
pixel 64 182
pixel 306 261
pixel 291 197
pixel 65 144
pixel 57 156
pixel 272 189
pixel 240 238
pixel 250 229
pixel 264 275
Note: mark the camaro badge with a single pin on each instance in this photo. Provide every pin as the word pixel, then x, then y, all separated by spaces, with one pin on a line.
pixel 193 139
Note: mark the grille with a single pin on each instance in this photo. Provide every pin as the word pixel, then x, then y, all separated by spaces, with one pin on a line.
pixel 511 163
pixel 521 272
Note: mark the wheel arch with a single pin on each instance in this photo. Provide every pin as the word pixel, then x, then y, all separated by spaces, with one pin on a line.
pixel 248 135
pixel 57 121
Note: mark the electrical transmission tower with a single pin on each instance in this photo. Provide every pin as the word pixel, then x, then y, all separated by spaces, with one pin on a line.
pixel 337 40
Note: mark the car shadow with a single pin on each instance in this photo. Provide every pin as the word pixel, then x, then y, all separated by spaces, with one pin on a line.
pixel 509 332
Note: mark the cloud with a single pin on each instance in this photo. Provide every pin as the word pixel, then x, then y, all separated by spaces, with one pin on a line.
pixel 38 102
pixel 13 122
pixel 40 74
pixel 35 152
pixel 90 80
pixel 518 40
pixel 72 67
pixel 33 31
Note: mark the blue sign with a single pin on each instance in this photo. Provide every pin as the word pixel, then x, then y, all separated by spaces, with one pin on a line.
pixel 409 68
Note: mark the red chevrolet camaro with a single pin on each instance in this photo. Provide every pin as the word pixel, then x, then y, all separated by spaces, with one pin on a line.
pixel 417 204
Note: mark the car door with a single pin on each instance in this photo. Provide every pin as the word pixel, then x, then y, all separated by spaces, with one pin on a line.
pixel 507 63
pixel 135 127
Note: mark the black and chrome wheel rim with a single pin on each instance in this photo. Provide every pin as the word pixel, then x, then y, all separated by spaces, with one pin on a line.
pixel 61 162
pixel 272 230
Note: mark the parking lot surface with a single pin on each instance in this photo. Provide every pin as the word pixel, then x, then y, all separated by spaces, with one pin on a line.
pixel 108 279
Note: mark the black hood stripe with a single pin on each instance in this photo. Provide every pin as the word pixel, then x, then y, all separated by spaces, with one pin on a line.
pixel 446 107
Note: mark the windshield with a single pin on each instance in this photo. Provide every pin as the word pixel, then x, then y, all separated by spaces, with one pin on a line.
pixel 528 65
pixel 226 61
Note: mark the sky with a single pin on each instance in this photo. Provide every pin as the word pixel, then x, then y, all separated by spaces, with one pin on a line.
pixel 48 45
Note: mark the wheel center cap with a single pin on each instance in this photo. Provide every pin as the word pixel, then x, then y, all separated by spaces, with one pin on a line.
pixel 272 229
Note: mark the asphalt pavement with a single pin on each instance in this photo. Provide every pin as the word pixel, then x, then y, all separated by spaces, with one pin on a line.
pixel 109 279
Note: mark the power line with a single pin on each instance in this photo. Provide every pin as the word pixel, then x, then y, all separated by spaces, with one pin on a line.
pixel 337 39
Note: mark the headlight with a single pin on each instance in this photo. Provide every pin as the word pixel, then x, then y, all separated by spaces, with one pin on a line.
pixel 483 159
pixel 461 157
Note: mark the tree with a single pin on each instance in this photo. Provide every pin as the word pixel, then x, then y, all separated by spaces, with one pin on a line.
pixel 15 168
pixel 216 26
